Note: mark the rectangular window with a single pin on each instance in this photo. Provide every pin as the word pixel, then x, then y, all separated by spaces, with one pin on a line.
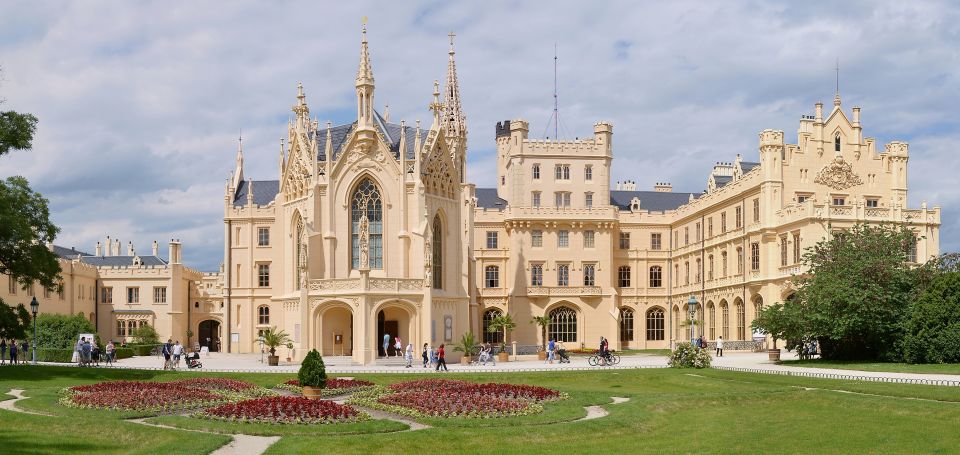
pixel 739 261
pixel 536 275
pixel 723 222
pixel 588 173
pixel 723 258
pixel 686 273
pixel 796 249
pixel 710 267
pixel 535 199
pixel 236 236
pixel 754 256
pixel 46 293
pixel 121 328
pixel 698 272
pixel 783 251
pixel 536 238
pixel 263 275
pixel 589 275
pixel 566 172
pixel 655 242
pixel 623 276
pixel 563 275
pixel 588 200
pixel 562 172
pixel 801 198
pixel 263 236
pixel 624 240
pixel 11 285
pixel 160 294
pixel 588 239
pixel 563 239
pixel 756 210
pixel 839 200
pixel 686 235
pixel 60 292
pixel 492 239
pixel 106 294
pixel 709 227
pixel 697 228
pixel 133 295
pixel 29 289
pixel 739 217
pixel 536 171
pixel 873 203
pixel 656 280
pixel 492 276
pixel 562 199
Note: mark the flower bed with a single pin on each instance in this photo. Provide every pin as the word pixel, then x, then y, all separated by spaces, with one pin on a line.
pixel 159 396
pixel 455 398
pixel 285 410
pixel 334 387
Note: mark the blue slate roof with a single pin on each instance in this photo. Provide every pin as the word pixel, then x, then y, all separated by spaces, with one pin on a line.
pixel 654 201
pixel 264 192
pixel 120 261
pixel 487 198
pixel 68 253
pixel 340 133
pixel 721 180
pixel 746 166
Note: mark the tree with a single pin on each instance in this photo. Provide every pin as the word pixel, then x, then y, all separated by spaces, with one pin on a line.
pixel 14 321
pixel 933 329
pixel 781 322
pixel 543 322
pixel 857 294
pixel 61 331
pixel 312 372
pixel 504 323
pixel 145 334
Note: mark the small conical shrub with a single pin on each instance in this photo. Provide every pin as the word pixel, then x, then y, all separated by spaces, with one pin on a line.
pixel 312 371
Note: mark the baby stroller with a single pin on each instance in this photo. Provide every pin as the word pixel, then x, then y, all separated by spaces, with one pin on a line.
pixel 562 353
pixel 193 360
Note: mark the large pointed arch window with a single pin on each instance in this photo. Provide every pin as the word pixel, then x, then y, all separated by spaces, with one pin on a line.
pixel 437 253
pixel 366 201
pixel 298 252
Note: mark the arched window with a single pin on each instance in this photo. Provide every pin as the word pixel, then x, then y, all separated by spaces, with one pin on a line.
pixel 655 327
pixel 437 253
pixel 491 277
pixel 298 252
pixel 366 201
pixel 725 311
pixel 656 276
pixel 263 315
pixel 676 323
pixel 741 321
pixel 626 325
pixel 836 143
pixel 488 336
pixel 712 335
pixel 563 325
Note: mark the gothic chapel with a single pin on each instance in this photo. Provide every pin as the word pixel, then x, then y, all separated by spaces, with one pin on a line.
pixel 365 234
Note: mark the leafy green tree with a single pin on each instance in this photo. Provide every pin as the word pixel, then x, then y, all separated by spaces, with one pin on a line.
pixel 857 294
pixel 145 334
pixel 933 329
pixel 502 323
pixel 61 331
pixel 781 322
pixel 543 322
pixel 14 322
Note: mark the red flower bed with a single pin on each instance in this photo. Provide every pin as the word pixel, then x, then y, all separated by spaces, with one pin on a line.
pixel 337 383
pixel 452 404
pixel 455 398
pixel 156 396
pixel 516 391
pixel 285 410
pixel 232 385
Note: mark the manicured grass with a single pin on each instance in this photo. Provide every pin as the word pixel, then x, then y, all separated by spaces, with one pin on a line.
pixel 670 411
pixel 944 368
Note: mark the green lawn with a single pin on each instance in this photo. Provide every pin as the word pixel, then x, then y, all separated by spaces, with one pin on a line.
pixel 671 411
pixel 945 368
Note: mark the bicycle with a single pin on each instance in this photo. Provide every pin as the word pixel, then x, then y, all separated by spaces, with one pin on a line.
pixel 609 360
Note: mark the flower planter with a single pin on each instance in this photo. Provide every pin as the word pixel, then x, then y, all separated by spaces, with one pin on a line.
pixel 542 355
pixel 503 357
pixel 773 355
pixel 273 360
pixel 313 393
pixel 465 360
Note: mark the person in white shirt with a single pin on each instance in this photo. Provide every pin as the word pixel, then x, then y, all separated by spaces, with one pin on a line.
pixel 177 352
pixel 719 346
pixel 409 355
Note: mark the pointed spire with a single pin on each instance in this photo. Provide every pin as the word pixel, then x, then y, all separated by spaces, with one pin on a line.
pixel 435 106
pixel 301 109
pixel 238 171
pixel 365 73
pixel 281 158
pixel 364 84
pixel 453 114
pixel 836 96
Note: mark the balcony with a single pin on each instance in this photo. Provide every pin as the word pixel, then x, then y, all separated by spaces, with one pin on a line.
pixel 355 285
pixel 548 291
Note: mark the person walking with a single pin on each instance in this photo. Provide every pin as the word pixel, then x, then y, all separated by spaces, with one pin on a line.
pixel 551 350
pixel 3 352
pixel 25 350
pixel 85 352
pixel 177 352
pixel 386 344
pixel 441 361
pixel 398 346
pixel 110 352
pixel 426 355
pixel 409 355
pixel 77 349
pixel 719 346
pixel 700 343
pixel 166 351
pixel 13 352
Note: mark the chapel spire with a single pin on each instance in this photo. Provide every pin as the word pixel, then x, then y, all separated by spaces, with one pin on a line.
pixel 301 109
pixel 364 83
pixel 454 120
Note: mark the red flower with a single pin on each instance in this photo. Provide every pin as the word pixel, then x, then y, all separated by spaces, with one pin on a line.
pixel 284 410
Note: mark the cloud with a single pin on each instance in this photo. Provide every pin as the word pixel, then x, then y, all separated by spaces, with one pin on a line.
pixel 140 103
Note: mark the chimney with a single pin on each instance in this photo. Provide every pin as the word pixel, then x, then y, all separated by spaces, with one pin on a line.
pixel 108 247
pixel 129 248
pixel 116 247
pixel 663 188
pixel 156 248
pixel 630 185
pixel 174 255
pixel 99 249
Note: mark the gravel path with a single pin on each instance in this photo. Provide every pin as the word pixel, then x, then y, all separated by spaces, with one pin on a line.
pixel 242 444
pixel 598 411
pixel 11 405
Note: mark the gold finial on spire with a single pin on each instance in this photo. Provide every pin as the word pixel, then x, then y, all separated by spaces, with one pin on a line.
pixel 301 108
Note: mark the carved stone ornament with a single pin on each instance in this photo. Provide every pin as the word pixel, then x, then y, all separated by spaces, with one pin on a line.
pixel 838 175
pixel 364 243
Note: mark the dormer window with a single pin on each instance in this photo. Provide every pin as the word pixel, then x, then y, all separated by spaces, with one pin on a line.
pixel 836 143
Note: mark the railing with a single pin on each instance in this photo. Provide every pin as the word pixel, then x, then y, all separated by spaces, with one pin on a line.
pixel 845 377
pixel 841 210
pixel 339 284
pixel 544 291
pixel 493 292
pixel 374 284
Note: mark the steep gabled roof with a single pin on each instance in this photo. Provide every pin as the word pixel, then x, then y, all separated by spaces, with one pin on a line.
pixel 654 201
pixel 340 133
pixel 121 261
pixel 264 192
pixel 68 253
pixel 487 198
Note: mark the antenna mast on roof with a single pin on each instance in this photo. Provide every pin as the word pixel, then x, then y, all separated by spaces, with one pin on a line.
pixel 556 106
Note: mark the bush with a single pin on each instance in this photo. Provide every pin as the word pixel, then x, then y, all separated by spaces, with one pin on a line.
pixel 123 353
pixel 689 356
pixel 145 334
pixel 312 371
pixel 62 331
pixel 54 355
pixel 141 349
pixel 933 330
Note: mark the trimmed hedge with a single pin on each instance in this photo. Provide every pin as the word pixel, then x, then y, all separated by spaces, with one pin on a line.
pixel 139 349
pixel 123 353
pixel 55 355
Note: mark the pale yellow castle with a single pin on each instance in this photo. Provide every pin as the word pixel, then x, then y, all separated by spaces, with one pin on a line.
pixel 371 229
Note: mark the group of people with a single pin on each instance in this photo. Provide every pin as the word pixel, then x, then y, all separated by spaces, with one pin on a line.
pixel 171 354
pixel 555 348
pixel 19 352
pixel 436 358
pixel 700 343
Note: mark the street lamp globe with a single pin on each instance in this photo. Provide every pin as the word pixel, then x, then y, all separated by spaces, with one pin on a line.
pixel 34 308
pixel 692 305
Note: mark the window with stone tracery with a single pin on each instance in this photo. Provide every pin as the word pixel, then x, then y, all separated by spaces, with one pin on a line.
pixel 297 252
pixel 367 201
pixel 437 253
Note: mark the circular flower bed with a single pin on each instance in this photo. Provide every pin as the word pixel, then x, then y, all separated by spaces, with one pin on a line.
pixel 335 386
pixel 285 410
pixel 159 396
pixel 454 398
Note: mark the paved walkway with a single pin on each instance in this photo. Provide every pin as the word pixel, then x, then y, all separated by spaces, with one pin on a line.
pixel 758 362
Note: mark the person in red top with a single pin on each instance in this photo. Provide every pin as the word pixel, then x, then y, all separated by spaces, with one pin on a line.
pixel 440 359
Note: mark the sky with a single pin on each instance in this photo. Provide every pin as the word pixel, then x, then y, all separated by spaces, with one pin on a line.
pixel 141 103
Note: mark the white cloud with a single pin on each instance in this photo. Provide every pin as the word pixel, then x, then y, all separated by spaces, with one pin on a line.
pixel 140 103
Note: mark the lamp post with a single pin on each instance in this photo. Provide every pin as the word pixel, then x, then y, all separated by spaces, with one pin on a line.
pixel 692 304
pixel 261 348
pixel 34 307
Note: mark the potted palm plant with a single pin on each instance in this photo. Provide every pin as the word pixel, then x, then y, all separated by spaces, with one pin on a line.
pixel 543 322
pixel 467 345
pixel 312 375
pixel 502 323
pixel 273 339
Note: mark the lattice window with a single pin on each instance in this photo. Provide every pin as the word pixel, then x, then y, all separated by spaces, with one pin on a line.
pixel 655 326
pixel 367 200
pixel 626 324
pixel 563 325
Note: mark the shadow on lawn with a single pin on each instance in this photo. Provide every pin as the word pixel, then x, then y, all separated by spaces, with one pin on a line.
pixel 21 443
pixel 36 374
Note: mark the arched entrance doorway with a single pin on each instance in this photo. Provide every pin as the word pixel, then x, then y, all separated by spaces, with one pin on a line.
pixel 336 331
pixel 208 334
pixel 393 321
